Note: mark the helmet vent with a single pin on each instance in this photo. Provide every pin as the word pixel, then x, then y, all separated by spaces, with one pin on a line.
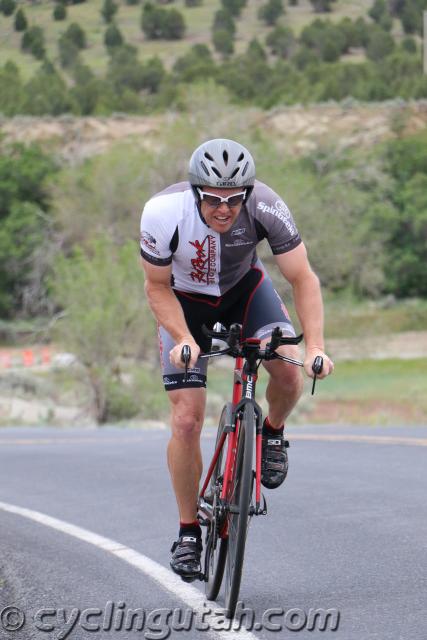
pixel 236 170
pixel 225 156
pixel 245 168
pixel 204 167
pixel 240 158
pixel 216 172
pixel 208 156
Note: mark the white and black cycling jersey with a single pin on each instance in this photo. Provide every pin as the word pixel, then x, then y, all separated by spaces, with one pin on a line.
pixel 203 260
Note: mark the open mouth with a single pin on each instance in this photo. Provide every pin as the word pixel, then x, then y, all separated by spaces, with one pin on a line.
pixel 222 219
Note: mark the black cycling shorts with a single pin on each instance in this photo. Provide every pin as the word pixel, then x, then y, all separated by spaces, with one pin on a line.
pixel 253 302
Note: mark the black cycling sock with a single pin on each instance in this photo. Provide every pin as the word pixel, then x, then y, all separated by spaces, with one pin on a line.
pixel 190 529
pixel 268 430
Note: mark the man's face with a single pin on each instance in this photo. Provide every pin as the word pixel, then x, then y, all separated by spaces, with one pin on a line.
pixel 221 216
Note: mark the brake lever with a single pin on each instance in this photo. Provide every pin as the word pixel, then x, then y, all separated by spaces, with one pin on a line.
pixel 185 358
pixel 317 367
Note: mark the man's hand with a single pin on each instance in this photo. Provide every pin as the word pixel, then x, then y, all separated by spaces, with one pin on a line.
pixel 310 356
pixel 175 353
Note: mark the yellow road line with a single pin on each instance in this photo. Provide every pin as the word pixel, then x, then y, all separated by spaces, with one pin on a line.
pixel 415 442
pixel 318 437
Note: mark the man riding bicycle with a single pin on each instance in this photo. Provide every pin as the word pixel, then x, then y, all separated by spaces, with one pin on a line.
pixel 198 248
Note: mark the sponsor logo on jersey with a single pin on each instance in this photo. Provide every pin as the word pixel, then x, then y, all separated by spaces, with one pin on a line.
pixel 150 242
pixel 238 243
pixel 238 232
pixel 281 211
pixel 204 264
pixel 167 380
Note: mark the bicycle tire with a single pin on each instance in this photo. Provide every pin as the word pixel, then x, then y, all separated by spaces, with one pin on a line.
pixel 241 499
pixel 216 548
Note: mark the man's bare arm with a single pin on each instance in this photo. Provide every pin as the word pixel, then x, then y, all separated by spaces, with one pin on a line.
pixel 167 310
pixel 295 267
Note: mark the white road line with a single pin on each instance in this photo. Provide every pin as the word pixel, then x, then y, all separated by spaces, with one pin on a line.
pixel 164 578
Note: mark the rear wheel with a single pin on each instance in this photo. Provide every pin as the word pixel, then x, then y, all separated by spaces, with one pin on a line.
pixel 216 547
pixel 238 517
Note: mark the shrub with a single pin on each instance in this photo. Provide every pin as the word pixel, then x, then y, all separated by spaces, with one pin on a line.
pixel 281 41
pixel 224 21
pixel 113 37
pixel 222 42
pixel 59 12
pixel 76 35
pixel 33 42
pixel 380 44
pixel 21 22
pixel 7 7
pixel 271 11
pixel 157 23
pixel 233 7
pixel 109 10
pixel 68 52
pixel 322 6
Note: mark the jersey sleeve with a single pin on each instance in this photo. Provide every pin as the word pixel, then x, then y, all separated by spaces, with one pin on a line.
pixel 274 219
pixel 155 236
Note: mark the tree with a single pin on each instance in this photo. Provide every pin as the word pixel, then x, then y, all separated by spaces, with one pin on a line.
pixel 174 25
pixel 196 63
pixel 59 11
pixel 223 21
pixel 76 35
pixel 113 37
pixel 158 22
pixel 109 10
pixel 271 11
pixel 24 204
pixel 100 293
pixel 21 22
pixel 322 6
pixel 47 93
pixel 7 7
pixel 409 45
pixel 11 90
pixel 222 42
pixel 380 44
pixel 33 42
pixel 281 41
pixel 68 52
pixel 87 89
pixel 233 7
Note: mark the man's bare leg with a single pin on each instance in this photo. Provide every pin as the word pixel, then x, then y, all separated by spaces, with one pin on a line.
pixel 284 387
pixel 184 455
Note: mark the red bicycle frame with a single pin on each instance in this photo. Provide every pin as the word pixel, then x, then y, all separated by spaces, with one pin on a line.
pixel 233 436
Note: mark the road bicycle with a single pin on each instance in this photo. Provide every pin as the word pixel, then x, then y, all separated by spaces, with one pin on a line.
pixel 231 491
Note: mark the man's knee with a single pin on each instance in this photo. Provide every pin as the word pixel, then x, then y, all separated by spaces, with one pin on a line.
pixel 187 415
pixel 287 376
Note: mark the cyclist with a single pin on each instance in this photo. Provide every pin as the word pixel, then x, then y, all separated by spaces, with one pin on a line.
pixel 198 248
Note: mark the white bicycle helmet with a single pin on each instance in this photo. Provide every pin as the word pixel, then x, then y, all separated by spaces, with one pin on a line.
pixel 222 163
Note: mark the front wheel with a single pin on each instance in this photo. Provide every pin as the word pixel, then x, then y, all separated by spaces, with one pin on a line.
pixel 216 547
pixel 239 500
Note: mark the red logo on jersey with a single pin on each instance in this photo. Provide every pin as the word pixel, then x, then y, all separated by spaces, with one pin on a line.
pixel 204 264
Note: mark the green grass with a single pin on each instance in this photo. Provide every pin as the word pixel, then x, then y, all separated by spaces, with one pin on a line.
pixel 198 19
pixel 372 392
pixel 345 319
pixel 364 392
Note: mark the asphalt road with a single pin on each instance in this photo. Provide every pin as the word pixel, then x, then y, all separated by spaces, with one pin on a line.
pixel 347 532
